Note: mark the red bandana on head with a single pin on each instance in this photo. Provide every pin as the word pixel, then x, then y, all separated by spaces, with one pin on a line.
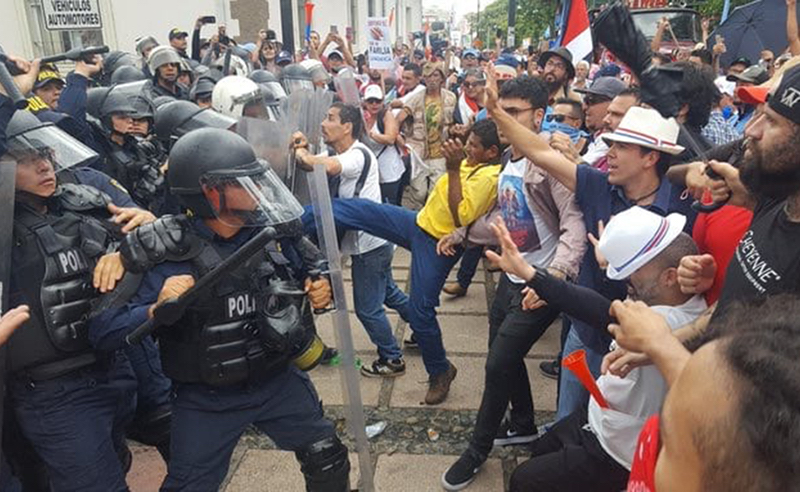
pixel 643 470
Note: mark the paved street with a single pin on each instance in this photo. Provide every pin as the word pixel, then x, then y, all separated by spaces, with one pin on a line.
pixel 405 456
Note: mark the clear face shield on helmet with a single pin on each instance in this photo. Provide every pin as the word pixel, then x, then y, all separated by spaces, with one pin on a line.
pixel 250 198
pixel 293 85
pixel 50 143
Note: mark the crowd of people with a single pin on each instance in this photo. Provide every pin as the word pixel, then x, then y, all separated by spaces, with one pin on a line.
pixel 662 242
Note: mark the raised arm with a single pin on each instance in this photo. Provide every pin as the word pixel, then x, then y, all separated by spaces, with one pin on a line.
pixel 792 34
pixel 530 144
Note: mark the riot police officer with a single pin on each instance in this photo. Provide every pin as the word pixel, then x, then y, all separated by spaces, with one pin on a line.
pixel 70 401
pixel 234 353
pixel 165 64
pixel 133 161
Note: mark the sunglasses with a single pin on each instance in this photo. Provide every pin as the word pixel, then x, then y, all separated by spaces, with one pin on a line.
pixel 592 99
pixel 374 101
pixel 468 85
pixel 559 118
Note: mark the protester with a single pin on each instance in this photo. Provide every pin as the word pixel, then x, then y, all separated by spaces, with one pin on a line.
pixel 557 72
pixel 753 75
pixel 746 367
pixel 635 169
pixel 177 39
pixel 547 227
pixel 373 284
pixel 594 447
pixel 429 115
pixel 383 138
pixel 466 192
pixel 596 101
pixel 581 80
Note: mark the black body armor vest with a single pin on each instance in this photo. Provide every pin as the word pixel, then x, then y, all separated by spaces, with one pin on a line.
pixel 53 263
pixel 236 331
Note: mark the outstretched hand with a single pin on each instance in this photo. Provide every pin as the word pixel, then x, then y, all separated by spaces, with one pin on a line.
pixel 511 261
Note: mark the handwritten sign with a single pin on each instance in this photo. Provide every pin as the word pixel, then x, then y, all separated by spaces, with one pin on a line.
pixel 380 43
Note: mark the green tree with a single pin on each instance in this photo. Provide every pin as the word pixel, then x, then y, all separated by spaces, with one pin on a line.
pixel 533 19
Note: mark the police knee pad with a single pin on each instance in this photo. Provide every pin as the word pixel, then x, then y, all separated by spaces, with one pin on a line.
pixel 325 466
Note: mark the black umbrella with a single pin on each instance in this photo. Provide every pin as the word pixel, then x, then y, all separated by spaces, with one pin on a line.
pixel 756 26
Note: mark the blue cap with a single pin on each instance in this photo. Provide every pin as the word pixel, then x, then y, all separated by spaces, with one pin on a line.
pixel 610 70
pixel 507 60
pixel 472 52
pixel 283 57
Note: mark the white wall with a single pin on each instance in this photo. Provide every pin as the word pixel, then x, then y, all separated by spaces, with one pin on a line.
pixel 14 37
pixel 129 19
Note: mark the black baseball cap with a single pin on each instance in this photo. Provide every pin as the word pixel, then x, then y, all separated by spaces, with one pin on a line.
pixel 742 60
pixel 177 33
pixel 608 87
pixel 785 100
pixel 755 74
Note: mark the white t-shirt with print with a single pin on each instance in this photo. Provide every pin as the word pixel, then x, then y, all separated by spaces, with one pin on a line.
pixel 530 233
pixel 352 161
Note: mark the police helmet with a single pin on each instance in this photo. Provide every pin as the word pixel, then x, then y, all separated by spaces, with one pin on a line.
pixel 215 159
pixel 177 118
pixel 125 74
pixel 202 88
pixel 269 84
pixel 27 135
pixel 295 77
pixel 162 55
pixel 233 93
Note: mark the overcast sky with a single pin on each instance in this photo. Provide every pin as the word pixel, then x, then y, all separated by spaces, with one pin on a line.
pixel 461 6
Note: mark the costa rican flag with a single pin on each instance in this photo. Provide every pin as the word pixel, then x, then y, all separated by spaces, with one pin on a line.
pixel 576 33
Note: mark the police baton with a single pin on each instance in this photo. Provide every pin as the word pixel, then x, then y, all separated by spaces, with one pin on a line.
pixel 7 81
pixel 172 310
pixel 77 54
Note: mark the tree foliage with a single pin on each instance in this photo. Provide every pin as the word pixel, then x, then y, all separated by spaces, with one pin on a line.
pixel 533 19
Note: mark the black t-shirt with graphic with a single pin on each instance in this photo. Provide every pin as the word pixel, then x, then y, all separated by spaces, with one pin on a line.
pixel 767 259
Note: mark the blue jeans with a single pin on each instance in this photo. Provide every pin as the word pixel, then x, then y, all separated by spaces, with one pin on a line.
pixel 428 269
pixel 469 265
pixel 572 395
pixel 373 286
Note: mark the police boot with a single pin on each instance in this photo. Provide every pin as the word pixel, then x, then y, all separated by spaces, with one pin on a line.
pixel 325 466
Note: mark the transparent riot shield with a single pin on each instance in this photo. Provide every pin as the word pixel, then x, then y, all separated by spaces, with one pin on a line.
pixel 346 87
pixel 353 407
pixel 270 140
pixel 8 170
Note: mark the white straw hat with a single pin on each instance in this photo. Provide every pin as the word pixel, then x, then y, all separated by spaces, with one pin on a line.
pixel 646 127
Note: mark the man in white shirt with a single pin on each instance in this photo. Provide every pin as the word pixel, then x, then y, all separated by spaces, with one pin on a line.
pixel 373 285
pixel 592 449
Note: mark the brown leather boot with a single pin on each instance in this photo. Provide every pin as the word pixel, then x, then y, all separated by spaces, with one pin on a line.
pixel 455 290
pixel 439 386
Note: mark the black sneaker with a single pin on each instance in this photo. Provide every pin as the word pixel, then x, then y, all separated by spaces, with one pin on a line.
pixel 382 368
pixel 550 369
pixel 328 356
pixel 508 435
pixel 462 472
pixel 411 343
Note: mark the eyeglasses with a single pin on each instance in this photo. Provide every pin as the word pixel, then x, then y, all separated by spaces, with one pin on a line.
pixel 555 64
pixel 514 112
pixel 592 99
pixel 468 85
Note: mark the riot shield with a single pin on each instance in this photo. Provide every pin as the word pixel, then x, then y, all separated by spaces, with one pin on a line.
pixel 346 87
pixel 353 407
pixel 270 140
pixel 8 169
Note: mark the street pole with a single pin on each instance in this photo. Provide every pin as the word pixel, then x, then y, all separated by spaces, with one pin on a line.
pixel 512 22
pixel 478 23
pixel 287 25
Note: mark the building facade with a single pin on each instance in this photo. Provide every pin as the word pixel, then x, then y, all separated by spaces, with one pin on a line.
pixel 34 28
